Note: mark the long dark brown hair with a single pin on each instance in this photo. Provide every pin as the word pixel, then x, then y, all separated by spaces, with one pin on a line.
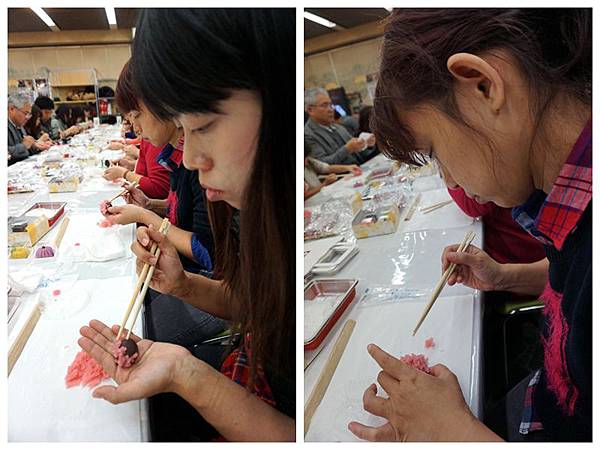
pixel 551 46
pixel 33 126
pixel 212 53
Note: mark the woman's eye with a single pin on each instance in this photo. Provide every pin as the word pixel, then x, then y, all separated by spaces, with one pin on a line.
pixel 203 128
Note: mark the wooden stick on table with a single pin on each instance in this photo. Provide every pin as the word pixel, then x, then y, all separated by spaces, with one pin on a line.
pixel 61 233
pixel 411 211
pixel 438 288
pixel 141 279
pixel 436 206
pixel 327 373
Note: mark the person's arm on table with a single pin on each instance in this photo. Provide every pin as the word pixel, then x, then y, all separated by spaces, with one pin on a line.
pixel 235 413
pixel 343 168
pixel 215 396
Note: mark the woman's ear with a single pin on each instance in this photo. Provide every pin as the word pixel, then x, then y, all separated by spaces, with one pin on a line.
pixel 479 78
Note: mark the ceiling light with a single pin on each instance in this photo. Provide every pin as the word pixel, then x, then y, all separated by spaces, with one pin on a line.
pixel 319 20
pixel 111 17
pixel 45 17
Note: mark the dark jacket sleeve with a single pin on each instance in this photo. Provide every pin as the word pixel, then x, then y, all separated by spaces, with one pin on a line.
pixel 201 222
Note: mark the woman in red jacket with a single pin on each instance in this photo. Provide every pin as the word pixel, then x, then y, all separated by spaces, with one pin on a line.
pixel 152 177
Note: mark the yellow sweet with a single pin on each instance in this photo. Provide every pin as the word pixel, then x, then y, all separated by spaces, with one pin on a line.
pixel 19 252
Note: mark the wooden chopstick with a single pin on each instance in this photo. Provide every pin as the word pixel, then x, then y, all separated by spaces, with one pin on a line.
pixel 326 375
pixel 123 192
pixel 436 206
pixel 438 289
pixel 413 207
pixel 61 233
pixel 141 279
pixel 140 299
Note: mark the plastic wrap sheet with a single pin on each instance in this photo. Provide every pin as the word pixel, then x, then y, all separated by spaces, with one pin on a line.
pixel 390 326
pixel 448 216
pixel 86 241
pixel 40 408
pixel 407 260
pixel 428 183
pixel 333 217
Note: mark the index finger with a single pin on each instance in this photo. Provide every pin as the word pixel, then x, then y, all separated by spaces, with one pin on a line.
pixel 391 365
pixel 450 248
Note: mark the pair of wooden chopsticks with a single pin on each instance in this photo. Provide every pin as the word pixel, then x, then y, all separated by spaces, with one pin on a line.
pixel 436 206
pixel 438 289
pixel 145 277
pixel 123 192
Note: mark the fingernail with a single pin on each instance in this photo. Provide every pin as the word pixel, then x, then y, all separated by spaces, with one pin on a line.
pixel 370 348
pixel 145 241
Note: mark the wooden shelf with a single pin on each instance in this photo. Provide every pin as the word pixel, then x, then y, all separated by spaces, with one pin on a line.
pixel 71 85
pixel 91 100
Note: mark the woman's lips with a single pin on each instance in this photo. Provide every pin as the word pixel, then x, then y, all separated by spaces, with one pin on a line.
pixel 213 195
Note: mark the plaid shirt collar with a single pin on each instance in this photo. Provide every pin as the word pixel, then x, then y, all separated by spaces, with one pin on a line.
pixel 551 218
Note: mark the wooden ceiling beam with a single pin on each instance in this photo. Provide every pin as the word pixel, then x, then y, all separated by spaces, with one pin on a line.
pixel 69 37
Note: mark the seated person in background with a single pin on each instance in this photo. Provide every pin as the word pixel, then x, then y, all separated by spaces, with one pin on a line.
pixel 20 145
pixel 50 125
pixel 349 122
pixel 33 126
pixel 313 168
pixel 328 142
pixel 504 239
pixel 152 178
pixel 364 117
pixel 69 118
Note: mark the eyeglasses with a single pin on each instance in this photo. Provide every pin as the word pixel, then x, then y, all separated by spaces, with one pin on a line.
pixel 25 113
pixel 326 105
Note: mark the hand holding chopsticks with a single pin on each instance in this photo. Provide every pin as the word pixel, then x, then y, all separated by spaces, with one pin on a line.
pixel 123 192
pixel 438 288
pixel 137 299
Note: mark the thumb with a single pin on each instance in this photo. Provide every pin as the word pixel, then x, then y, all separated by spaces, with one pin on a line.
pixel 125 392
pixel 440 371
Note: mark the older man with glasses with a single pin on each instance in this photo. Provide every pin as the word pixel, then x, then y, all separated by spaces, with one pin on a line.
pixel 327 141
pixel 20 145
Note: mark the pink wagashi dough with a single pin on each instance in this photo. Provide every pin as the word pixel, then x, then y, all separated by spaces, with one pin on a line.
pixel 56 292
pixel 105 223
pixel 429 343
pixel 84 371
pixel 104 205
pixel 416 361
pixel 125 352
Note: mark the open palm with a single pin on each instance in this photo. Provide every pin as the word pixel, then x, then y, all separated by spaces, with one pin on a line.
pixel 151 374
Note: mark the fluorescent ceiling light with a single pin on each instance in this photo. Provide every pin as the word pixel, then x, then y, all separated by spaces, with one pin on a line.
pixel 133 32
pixel 45 17
pixel 110 16
pixel 389 9
pixel 319 20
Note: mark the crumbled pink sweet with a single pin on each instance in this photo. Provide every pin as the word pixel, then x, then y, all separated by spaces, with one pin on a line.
pixel 56 292
pixel 77 244
pixel 84 371
pixel 417 361
pixel 429 343
pixel 121 358
pixel 104 205
pixel 105 223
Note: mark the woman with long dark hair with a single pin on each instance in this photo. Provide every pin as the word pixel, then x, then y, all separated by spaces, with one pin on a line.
pixel 501 100
pixel 227 76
